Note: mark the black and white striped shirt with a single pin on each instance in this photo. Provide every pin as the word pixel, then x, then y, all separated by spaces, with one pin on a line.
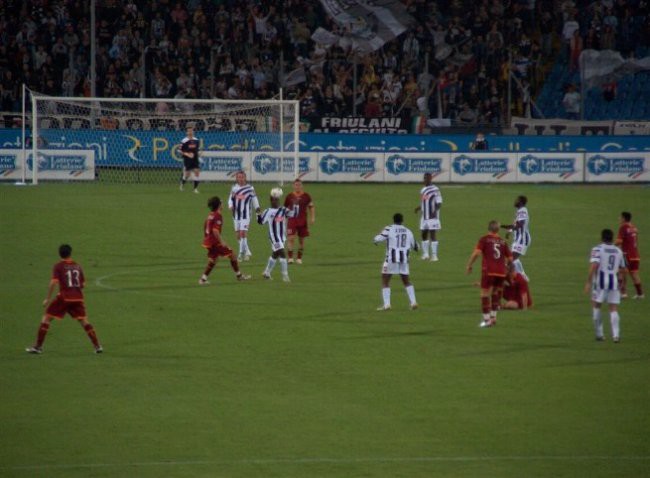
pixel 521 235
pixel 241 200
pixel 430 200
pixel 276 219
pixel 399 242
pixel 609 259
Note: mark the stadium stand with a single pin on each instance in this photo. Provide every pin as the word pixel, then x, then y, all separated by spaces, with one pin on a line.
pixel 244 49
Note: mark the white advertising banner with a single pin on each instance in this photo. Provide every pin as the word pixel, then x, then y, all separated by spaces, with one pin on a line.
pixel 64 164
pixel 223 165
pixel 11 165
pixel 410 167
pixel 265 166
pixel 350 167
pixel 617 167
pixel 483 167
pixel 550 167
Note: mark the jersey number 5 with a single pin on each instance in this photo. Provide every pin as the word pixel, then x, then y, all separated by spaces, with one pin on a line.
pixel 497 251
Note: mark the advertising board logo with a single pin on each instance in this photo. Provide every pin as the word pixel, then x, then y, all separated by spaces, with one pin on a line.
pixel 7 163
pixel 397 164
pixel 531 165
pixel 332 164
pixel 221 164
pixel 601 164
pixel 73 164
pixel 463 164
pixel 265 164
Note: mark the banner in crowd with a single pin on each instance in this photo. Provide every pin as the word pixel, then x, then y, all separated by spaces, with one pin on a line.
pixel 617 167
pixel 559 127
pixel 369 24
pixel 11 164
pixel 632 127
pixel 606 66
pixel 549 167
pixel 360 124
pixel 483 167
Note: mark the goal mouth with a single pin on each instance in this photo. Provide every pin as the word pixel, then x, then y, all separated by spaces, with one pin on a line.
pixel 139 139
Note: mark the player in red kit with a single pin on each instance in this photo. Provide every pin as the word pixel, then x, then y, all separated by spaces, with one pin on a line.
pixel 496 259
pixel 297 226
pixel 69 276
pixel 215 244
pixel 516 292
pixel 627 241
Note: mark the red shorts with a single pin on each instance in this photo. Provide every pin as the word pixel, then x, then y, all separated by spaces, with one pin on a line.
pixel 59 307
pixel 300 231
pixel 492 281
pixel 633 265
pixel 219 251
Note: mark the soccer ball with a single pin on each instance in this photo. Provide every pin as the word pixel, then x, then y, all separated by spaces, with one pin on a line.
pixel 276 192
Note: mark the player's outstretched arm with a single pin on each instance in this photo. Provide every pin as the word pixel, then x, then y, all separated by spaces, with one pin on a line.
pixel 50 290
pixel 472 258
pixel 312 213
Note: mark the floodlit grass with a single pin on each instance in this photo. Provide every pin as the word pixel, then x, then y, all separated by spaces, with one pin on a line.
pixel 306 379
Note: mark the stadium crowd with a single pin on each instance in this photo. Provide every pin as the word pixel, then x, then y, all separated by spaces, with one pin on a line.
pixel 451 63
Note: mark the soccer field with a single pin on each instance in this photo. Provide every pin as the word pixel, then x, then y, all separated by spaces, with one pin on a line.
pixel 306 379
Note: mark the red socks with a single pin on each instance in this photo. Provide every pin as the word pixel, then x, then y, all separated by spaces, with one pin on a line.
pixel 91 334
pixel 639 289
pixel 485 305
pixel 42 332
pixel 209 268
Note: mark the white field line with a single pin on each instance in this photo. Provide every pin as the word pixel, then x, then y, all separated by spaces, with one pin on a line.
pixel 308 461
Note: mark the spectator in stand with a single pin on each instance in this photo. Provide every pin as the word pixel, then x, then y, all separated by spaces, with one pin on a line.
pixel 571 103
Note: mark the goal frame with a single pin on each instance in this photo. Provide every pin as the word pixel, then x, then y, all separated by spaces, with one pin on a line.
pixel 36 97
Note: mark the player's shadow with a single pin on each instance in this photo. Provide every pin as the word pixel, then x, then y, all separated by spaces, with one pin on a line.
pixel 643 358
pixel 144 289
pixel 389 335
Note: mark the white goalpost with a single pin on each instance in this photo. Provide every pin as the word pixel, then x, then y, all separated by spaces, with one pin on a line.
pixel 137 139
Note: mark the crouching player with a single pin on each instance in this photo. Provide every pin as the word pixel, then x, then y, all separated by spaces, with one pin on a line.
pixel 69 276
pixel 516 293
pixel 215 244
pixel 496 259
pixel 276 217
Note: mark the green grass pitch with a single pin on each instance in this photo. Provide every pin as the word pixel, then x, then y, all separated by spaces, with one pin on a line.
pixel 306 379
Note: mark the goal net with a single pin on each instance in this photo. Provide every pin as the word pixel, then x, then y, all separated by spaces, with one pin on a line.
pixel 138 140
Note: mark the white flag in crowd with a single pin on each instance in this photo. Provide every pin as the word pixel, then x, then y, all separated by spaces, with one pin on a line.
pixel 368 24
pixel 295 77
pixel 606 66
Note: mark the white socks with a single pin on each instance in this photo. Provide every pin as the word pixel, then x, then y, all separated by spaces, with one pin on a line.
pixel 425 248
pixel 615 320
pixel 284 267
pixel 434 248
pixel 242 246
pixel 269 266
pixel 385 293
pixel 410 291
pixel 598 324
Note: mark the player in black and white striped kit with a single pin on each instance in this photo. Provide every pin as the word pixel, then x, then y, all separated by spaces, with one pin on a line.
pixel 520 229
pixel 242 202
pixel 399 242
pixel 276 217
pixel 430 204
pixel 607 266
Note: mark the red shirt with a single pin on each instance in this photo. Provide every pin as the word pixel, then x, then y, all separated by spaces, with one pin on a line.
pixel 303 201
pixel 213 222
pixel 495 250
pixel 516 289
pixel 71 280
pixel 627 237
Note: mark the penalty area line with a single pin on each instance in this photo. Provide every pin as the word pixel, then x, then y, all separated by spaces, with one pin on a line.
pixel 343 461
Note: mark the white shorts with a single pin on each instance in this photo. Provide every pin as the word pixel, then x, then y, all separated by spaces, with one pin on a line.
pixel 276 246
pixel 605 295
pixel 519 248
pixel 395 268
pixel 242 224
pixel 429 224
